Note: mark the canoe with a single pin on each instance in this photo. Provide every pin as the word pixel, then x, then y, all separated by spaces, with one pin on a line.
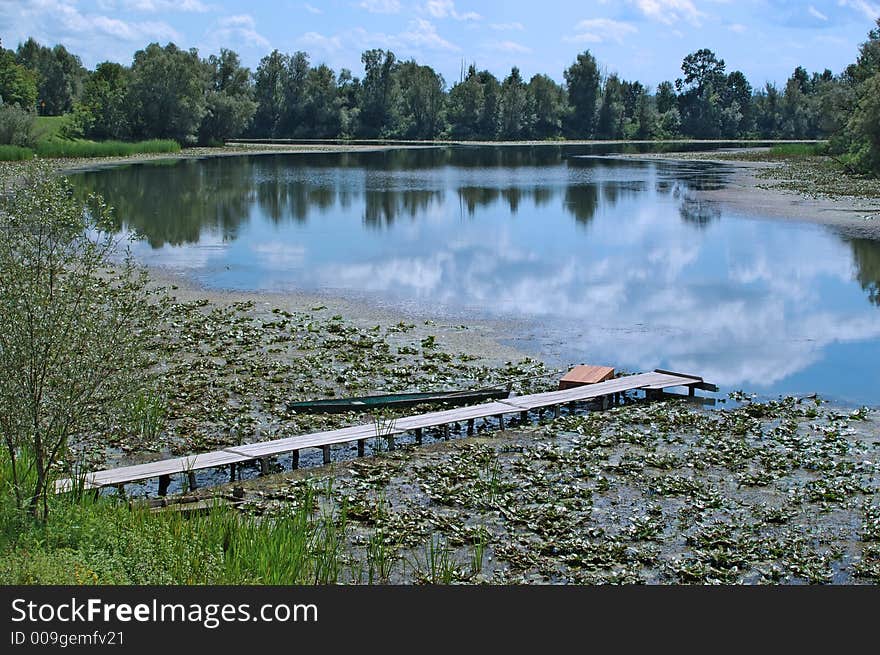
pixel 395 400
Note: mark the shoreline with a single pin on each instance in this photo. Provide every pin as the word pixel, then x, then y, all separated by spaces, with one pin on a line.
pixel 751 191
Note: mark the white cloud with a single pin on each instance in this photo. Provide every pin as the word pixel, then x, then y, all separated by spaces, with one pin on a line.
pixel 815 13
pixel 870 10
pixel 154 6
pixel 669 12
pixel 599 30
pixel 446 9
pixel 739 28
pixel 318 41
pixel 381 6
pixel 312 10
pixel 420 35
pixel 509 46
pixel 239 29
pixel 507 27
pixel 61 21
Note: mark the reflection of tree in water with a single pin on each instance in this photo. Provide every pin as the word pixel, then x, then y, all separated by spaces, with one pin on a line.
pixel 866 256
pixel 513 195
pixel 694 210
pixel 279 197
pixel 382 208
pixel 174 202
pixel 582 200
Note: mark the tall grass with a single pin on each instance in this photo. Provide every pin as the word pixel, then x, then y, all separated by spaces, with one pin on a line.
pixel 89 540
pixel 61 148
pixel 15 153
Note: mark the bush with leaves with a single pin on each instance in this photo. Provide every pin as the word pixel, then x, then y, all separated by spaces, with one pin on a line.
pixel 73 321
pixel 17 127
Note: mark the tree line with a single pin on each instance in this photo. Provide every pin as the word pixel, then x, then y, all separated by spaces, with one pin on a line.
pixel 168 92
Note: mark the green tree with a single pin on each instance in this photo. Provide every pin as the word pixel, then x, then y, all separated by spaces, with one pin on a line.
pixel 270 84
pixel 517 114
pixel 295 96
pixel 379 92
pixel 348 90
pixel 491 114
pixel 738 90
pixel 420 107
pixel 668 117
pixel 70 335
pixel 550 105
pixel 612 112
pixel 167 94
pixel 60 76
pixel 582 80
pixel 647 125
pixel 230 106
pixel 102 111
pixel 465 106
pixel 859 137
pixel 768 111
pixel 18 85
pixel 701 99
pixel 666 98
pixel 322 111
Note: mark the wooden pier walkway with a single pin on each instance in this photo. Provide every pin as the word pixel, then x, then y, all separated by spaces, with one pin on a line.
pixel 649 382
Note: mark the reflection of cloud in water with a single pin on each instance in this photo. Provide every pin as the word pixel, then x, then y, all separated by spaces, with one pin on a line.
pixel 280 256
pixel 739 318
pixel 210 250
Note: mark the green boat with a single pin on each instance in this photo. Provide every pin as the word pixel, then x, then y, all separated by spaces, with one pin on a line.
pixel 360 403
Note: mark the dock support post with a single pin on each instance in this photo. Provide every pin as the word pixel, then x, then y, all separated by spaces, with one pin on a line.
pixel 326 450
pixel 571 407
pixel 361 447
pixel 524 416
pixel 264 466
pixel 164 482
pixel 232 472
pixel 605 402
pixel 500 418
pixel 446 431
pixel 556 411
pixel 390 442
pixel 419 436
pixel 470 427
pixel 191 478
pixel 691 392
pixel 294 460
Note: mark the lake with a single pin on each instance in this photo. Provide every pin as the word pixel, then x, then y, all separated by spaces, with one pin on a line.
pixel 582 259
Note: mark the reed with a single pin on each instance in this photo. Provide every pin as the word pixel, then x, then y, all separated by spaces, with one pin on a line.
pixel 55 148
pixel 15 153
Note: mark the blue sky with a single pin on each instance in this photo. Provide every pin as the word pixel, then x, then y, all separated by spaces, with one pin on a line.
pixel 639 39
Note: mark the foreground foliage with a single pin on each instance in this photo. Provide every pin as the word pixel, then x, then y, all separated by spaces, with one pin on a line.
pixel 70 333
pixel 778 492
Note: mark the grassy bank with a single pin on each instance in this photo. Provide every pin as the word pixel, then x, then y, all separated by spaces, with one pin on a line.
pixel 107 542
pixel 60 148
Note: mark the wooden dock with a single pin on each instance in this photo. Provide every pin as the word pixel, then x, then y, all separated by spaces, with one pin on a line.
pixel 650 383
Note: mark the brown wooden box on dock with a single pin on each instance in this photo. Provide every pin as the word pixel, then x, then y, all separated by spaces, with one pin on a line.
pixel 581 375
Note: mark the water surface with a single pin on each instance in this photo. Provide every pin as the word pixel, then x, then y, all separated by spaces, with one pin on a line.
pixel 585 259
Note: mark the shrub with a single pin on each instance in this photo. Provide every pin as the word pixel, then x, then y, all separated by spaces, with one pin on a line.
pixel 17 127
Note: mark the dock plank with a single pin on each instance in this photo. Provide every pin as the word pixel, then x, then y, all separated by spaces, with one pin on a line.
pixel 249 452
